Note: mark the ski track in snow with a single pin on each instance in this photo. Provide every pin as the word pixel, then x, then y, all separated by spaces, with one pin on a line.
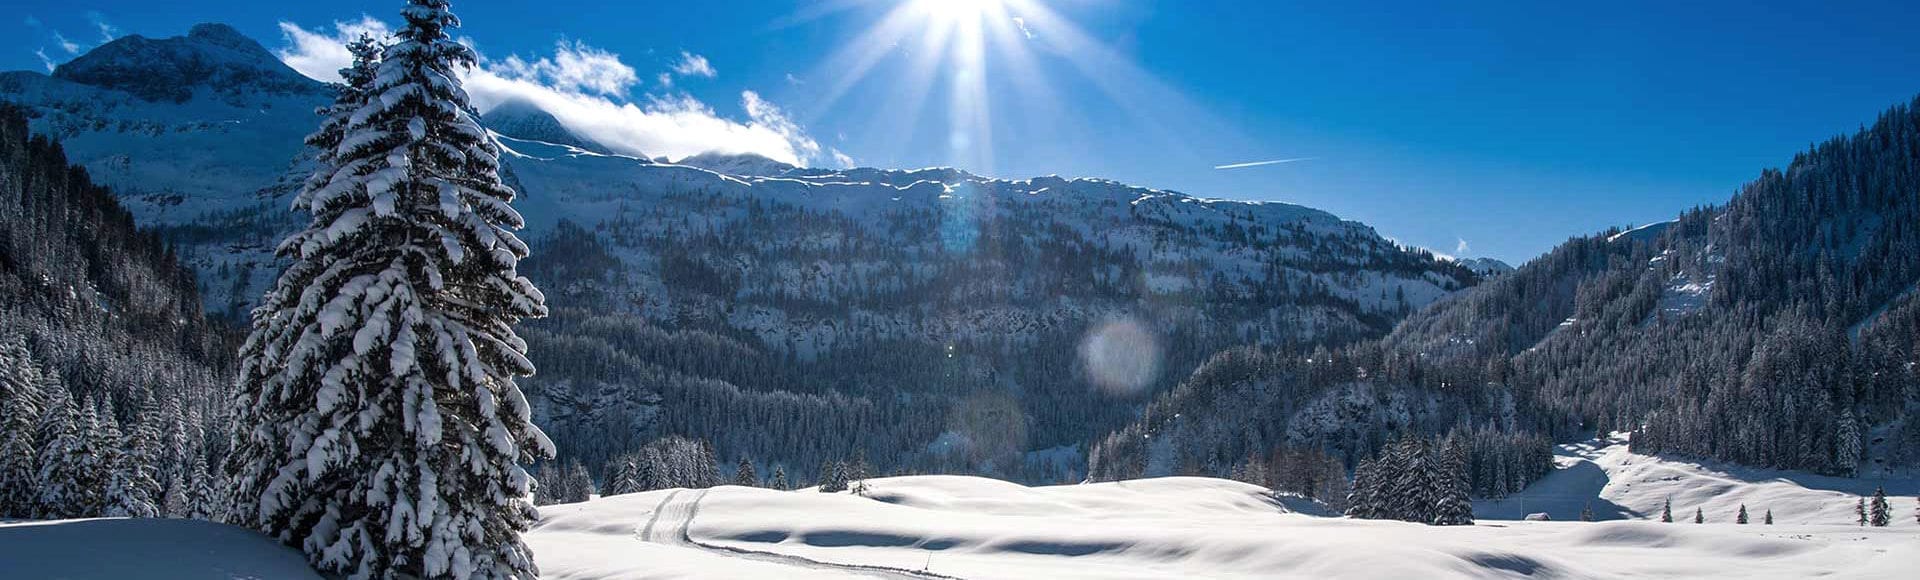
pixel 679 514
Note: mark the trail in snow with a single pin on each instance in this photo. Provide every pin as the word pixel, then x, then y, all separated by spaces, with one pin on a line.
pixel 672 523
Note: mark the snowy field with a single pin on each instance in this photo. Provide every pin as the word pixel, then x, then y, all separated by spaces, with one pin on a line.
pixel 966 527
pixel 961 527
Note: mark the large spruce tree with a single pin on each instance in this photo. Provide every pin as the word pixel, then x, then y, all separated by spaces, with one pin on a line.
pixel 379 425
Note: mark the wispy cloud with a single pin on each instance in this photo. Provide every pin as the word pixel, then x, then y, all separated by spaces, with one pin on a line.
pixel 1022 24
pixel 67 45
pixel 587 89
pixel 108 31
pixel 693 65
pixel 1263 163
pixel 1462 249
pixel 44 61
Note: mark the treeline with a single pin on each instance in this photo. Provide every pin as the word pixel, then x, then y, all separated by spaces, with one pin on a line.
pixel 1414 480
pixel 1299 417
pixel 112 384
pixel 64 457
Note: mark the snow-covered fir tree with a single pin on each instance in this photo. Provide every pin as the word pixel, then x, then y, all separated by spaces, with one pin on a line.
pixel 20 403
pixel 1452 506
pixel 1363 499
pixel 1666 511
pixel 176 503
pixel 58 489
pixel 833 477
pixel 1879 512
pixel 1741 518
pixel 1768 518
pixel 744 475
pixel 780 479
pixel 624 477
pixel 1699 516
pixel 132 491
pixel 380 428
pixel 1860 511
pixel 1586 513
pixel 210 496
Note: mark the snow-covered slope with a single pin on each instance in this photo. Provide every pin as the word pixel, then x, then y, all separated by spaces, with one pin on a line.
pixel 1622 484
pixel 156 549
pixel 958 527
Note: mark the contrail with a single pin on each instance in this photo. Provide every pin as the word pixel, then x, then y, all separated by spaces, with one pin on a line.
pixel 1261 163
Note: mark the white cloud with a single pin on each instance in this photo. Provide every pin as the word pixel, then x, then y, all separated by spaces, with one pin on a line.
pixel 575 68
pixel 1461 249
pixel 66 45
pixel 693 65
pixel 586 89
pixel 44 61
pixel 843 160
pixel 320 56
pixel 794 80
pixel 107 31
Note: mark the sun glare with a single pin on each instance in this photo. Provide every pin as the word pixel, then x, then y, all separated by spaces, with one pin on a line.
pixel 955 10
pixel 974 49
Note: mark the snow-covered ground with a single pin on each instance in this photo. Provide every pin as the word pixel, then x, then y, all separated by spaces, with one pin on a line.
pixel 154 549
pixel 968 527
pixel 964 527
pixel 1625 485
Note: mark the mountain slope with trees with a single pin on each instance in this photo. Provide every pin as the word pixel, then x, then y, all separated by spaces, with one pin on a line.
pixel 112 384
pixel 1779 330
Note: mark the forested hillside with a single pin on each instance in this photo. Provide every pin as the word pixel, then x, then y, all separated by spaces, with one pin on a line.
pixel 1777 331
pixel 100 328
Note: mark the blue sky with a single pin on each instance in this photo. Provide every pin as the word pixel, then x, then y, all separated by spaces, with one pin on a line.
pixel 1495 128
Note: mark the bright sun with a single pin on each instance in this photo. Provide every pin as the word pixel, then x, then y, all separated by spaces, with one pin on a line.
pixel 967 46
pixel 957 10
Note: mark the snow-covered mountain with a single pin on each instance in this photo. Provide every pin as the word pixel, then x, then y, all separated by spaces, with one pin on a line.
pixel 921 299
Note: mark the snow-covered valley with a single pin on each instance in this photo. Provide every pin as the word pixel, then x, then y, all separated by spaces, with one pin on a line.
pixel 1180 527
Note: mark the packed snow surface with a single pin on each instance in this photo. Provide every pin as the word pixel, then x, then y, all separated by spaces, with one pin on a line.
pixel 965 527
pixel 1180 527
pixel 155 549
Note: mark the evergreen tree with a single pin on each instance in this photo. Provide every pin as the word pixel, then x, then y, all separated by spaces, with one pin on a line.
pixel 1768 518
pixel 833 477
pixel 1860 510
pixel 1363 501
pixel 1453 506
pixel 20 405
pixel 378 424
pixel 1666 511
pixel 57 490
pixel 1742 517
pixel 744 476
pixel 1879 513
pixel 210 496
pixel 175 504
pixel 625 477
pixel 780 478
pixel 1699 516
pixel 1586 513
pixel 132 491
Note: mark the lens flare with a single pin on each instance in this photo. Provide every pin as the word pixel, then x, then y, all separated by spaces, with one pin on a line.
pixel 1121 357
